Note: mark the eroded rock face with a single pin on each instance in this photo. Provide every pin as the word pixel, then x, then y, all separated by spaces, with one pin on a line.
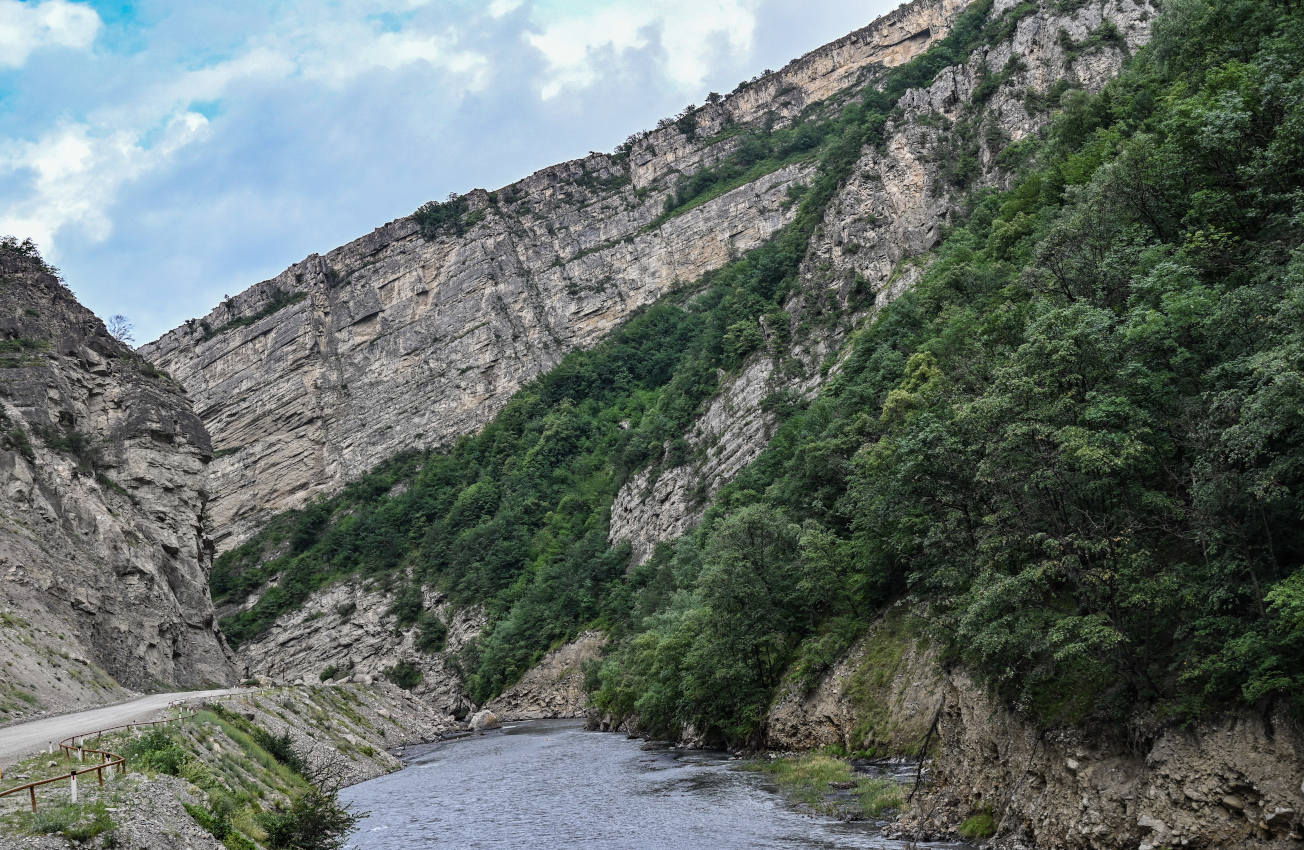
pixel 881 697
pixel 396 342
pixel 877 235
pixel 103 554
pixel 1234 783
pixel 348 632
pixel 555 686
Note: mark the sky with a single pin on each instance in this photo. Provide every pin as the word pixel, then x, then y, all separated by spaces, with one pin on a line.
pixel 166 154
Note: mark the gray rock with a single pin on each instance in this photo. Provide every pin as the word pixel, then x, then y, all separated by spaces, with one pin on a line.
pixel 103 550
pixel 484 719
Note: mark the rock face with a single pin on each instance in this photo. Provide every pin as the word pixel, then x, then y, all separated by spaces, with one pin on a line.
pixel 102 547
pixel 347 631
pixel 881 697
pixel 396 342
pixel 879 229
pixel 555 686
pixel 1235 783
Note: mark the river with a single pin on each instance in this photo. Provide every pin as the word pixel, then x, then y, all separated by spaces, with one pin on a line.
pixel 550 784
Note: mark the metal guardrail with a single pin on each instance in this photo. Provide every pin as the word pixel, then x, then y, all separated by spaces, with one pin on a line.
pixel 75 746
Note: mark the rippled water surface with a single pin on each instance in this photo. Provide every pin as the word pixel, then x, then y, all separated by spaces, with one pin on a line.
pixel 550 784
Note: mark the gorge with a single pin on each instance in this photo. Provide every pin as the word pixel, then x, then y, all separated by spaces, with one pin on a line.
pixel 935 397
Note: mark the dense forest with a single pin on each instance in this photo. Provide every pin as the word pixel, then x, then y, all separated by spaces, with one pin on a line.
pixel 1074 447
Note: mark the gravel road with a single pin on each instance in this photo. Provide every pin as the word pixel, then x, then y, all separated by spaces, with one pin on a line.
pixel 27 738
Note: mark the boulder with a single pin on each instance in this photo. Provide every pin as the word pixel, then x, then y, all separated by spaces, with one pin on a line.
pixel 484 719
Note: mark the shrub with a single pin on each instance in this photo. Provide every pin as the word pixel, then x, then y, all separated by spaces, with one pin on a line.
pixel 158 751
pixel 432 634
pixel 78 823
pixel 314 821
pixel 436 218
pixel 405 674
pixel 979 825
pixel 407 606
pixel 281 748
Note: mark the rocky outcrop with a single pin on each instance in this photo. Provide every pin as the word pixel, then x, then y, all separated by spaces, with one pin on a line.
pixel 102 547
pixel 346 732
pixel 348 631
pixel 657 505
pixel 1237 782
pixel 555 686
pixel 1233 783
pixel 396 341
pixel 880 698
pixel 879 230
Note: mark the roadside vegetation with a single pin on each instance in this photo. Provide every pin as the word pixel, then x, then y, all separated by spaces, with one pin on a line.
pixel 250 787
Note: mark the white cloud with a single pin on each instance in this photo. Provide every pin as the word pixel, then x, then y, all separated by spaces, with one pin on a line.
pixel 76 172
pixel 501 8
pixel 336 55
pixel 73 172
pixel 688 31
pixel 28 27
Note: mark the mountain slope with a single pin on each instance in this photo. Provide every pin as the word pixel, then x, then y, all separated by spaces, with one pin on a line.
pixel 514 521
pixel 102 530
pixel 412 336
pixel 992 451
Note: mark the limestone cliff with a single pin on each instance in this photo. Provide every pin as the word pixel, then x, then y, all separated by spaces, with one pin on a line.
pixel 397 341
pixel 102 546
pixel 880 228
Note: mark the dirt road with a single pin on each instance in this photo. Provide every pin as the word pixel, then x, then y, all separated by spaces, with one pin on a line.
pixel 27 738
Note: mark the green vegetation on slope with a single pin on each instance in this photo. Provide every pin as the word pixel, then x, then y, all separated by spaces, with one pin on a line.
pixel 1075 444
pixel 516 517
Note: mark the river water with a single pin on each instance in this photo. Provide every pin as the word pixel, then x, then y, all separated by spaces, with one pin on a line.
pixel 550 784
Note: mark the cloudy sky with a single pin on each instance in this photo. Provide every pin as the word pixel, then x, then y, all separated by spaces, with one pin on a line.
pixel 163 153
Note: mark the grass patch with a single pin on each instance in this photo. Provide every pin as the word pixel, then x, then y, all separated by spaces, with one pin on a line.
pixel 979 825
pixel 79 822
pixel 829 786
pixel 870 688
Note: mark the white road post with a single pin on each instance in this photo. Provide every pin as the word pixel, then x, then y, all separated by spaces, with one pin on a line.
pixel 74 786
